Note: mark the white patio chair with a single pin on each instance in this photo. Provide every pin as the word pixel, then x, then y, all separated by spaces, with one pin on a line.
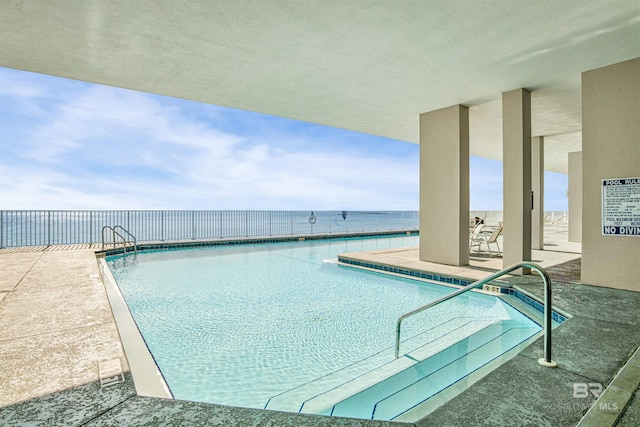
pixel 475 238
pixel 493 239
pixel 478 238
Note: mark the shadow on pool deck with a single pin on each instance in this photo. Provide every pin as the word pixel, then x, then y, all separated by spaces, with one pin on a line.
pixel 48 299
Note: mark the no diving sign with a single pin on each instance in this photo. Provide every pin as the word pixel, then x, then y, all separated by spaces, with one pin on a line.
pixel 621 207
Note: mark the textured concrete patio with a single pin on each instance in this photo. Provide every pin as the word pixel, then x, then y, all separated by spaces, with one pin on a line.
pixel 56 323
pixel 57 326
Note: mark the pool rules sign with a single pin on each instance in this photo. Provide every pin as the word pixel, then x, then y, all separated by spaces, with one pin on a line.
pixel 621 207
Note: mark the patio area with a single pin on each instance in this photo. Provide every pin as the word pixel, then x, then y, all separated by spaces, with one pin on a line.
pixel 58 326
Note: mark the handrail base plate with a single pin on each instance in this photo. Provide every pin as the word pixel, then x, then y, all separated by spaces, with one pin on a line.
pixel 550 364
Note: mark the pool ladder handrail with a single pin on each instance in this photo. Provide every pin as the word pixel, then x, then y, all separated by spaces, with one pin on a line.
pixel 546 360
pixel 115 233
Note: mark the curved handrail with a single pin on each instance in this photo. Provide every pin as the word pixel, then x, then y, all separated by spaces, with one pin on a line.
pixel 135 244
pixel 114 233
pixel 546 361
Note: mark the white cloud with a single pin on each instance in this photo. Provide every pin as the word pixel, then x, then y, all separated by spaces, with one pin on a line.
pixel 105 148
pixel 109 117
pixel 45 189
pixel 82 146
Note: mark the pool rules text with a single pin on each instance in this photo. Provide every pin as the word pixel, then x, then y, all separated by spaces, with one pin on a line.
pixel 621 207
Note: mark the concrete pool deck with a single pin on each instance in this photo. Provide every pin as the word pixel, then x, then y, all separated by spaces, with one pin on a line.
pixel 57 326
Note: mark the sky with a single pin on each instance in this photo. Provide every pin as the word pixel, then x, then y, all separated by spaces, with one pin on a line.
pixel 66 144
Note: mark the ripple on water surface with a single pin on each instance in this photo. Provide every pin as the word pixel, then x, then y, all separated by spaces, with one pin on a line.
pixel 237 325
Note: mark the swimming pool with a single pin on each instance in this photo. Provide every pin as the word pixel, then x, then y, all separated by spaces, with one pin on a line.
pixel 273 325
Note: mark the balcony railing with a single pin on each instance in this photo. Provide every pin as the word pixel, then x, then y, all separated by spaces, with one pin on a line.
pixel 61 227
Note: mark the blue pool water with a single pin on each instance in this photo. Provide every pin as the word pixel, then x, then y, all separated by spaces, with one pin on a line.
pixel 243 325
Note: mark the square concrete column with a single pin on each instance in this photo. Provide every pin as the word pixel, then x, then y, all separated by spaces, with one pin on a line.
pixel 444 186
pixel 537 186
pixel 516 158
pixel 610 150
pixel 575 197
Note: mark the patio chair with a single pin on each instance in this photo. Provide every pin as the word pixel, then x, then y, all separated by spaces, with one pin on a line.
pixel 475 238
pixel 479 238
pixel 494 239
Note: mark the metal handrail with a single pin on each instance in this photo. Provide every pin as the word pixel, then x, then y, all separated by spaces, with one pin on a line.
pixel 114 233
pixel 546 360
pixel 135 244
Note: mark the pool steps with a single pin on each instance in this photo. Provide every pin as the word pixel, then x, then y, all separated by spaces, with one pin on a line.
pixel 321 403
pixel 401 392
pixel 382 373
pixel 378 366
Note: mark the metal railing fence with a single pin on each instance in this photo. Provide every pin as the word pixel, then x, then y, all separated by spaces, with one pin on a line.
pixel 65 227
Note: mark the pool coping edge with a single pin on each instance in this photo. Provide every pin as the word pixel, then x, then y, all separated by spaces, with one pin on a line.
pixel 147 378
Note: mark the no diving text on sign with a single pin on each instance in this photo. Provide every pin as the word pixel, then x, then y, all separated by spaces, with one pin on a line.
pixel 621 207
